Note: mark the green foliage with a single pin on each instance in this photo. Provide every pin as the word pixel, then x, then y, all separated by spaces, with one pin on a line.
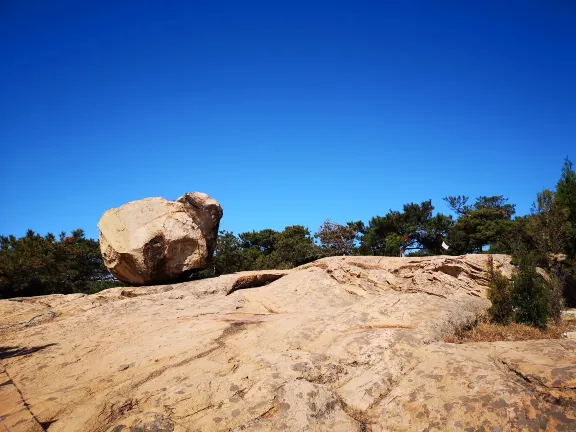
pixel 459 204
pixel 487 223
pixel 294 247
pixel 260 250
pixel 393 244
pixel 413 229
pixel 528 298
pixel 548 227
pixel 566 201
pixel 228 257
pixel 548 232
pixel 357 226
pixel 530 293
pixel 500 295
pixel 264 241
pixel 36 265
pixel 555 285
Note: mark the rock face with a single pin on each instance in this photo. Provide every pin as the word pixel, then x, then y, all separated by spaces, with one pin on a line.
pixel 342 344
pixel 156 241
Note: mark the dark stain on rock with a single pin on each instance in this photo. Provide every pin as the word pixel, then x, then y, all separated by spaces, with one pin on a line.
pixel 271 412
pixel 499 404
pixel 301 367
pixel 563 374
pixel 435 377
pixel 154 253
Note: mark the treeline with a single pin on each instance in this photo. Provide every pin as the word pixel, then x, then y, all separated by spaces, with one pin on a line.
pixel 35 265
pixel 486 224
pixel 39 265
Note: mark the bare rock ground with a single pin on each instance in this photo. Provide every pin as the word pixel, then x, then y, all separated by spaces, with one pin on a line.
pixel 344 344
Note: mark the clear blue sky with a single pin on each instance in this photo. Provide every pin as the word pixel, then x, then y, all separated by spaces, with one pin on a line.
pixel 285 112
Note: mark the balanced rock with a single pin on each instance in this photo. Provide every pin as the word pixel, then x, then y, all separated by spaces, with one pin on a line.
pixel 155 240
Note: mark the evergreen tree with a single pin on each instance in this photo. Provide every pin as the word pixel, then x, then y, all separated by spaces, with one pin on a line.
pixel 566 201
pixel 36 265
pixel 500 295
pixel 413 229
pixel 529 293
pixel 486 223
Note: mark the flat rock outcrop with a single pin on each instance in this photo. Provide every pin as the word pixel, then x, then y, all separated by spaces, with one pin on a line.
pixel 157 241
pixel 344 344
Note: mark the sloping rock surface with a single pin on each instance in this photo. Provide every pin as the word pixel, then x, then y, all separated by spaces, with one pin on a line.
pixel 343 344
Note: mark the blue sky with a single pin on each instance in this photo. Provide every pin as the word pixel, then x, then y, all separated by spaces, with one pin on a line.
pixel 286 112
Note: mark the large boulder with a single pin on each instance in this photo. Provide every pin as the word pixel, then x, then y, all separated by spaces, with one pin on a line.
pixel 155 240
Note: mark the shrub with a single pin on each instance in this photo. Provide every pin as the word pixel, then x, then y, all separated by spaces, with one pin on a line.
pixel 500 294
pixel 555 286
pixel 530 294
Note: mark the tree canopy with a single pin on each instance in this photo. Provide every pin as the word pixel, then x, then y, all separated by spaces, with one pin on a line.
pixel 483 224
pixel 37 265
pixel 413 229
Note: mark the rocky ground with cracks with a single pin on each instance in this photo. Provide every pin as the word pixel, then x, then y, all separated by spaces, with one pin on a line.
pixel 341 344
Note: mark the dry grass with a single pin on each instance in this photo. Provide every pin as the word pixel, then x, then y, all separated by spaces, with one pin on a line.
pixel 487 332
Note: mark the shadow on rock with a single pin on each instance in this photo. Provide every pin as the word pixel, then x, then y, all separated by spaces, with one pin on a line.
pixel 12 351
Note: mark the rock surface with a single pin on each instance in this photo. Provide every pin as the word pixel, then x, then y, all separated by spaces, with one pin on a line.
pixel 156 241
pixel 343 344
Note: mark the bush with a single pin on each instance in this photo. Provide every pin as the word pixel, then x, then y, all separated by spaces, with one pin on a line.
pixel 555 287
pixel 500 294
pixel 528 298
pixel 530 294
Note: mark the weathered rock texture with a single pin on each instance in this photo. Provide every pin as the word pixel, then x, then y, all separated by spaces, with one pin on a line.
pixel 342 344
pixel 154 240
